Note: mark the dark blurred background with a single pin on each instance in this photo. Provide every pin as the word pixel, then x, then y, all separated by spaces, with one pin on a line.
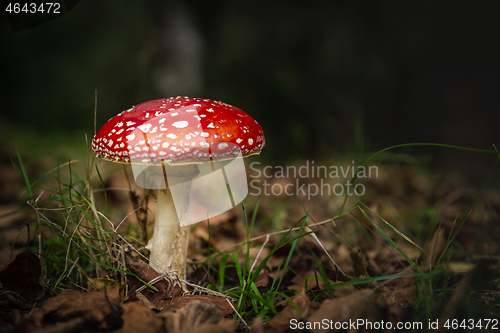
pixel 322 78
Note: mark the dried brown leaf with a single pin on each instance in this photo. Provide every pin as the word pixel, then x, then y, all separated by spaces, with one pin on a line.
pixel 343 291
pixel 97 310
pixel 281 321
pixel 257 325
pixel 224 326
pixel 357 305
pixel 263 282
pixel 221 303
pixel 23 276
pixel 146 302
pixel 197 317
pixel 397 298
pixel 138 318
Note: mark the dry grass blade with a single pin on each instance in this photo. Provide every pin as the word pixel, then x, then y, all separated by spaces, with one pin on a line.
pixel 258 254
pixel 115 229
pixel 321 245
pixel 284 231
pixel 237 313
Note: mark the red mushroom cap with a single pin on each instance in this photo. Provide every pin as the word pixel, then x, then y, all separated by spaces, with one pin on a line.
pixel 178 130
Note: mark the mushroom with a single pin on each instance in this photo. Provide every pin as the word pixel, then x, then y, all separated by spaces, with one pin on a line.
pixel 175 135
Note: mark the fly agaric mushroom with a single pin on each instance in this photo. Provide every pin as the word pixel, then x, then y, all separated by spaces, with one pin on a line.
pixel 174 132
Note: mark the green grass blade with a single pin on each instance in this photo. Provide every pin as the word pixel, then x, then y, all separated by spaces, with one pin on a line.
pixel 394 228
pixel 353 180
pixel 435 272
pixel 389 240
pixel 103 188
pixel 24 174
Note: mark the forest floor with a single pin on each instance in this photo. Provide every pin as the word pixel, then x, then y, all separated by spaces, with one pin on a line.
pixel 417 252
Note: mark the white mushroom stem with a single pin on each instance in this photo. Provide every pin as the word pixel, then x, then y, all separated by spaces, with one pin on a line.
pixel 170 239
